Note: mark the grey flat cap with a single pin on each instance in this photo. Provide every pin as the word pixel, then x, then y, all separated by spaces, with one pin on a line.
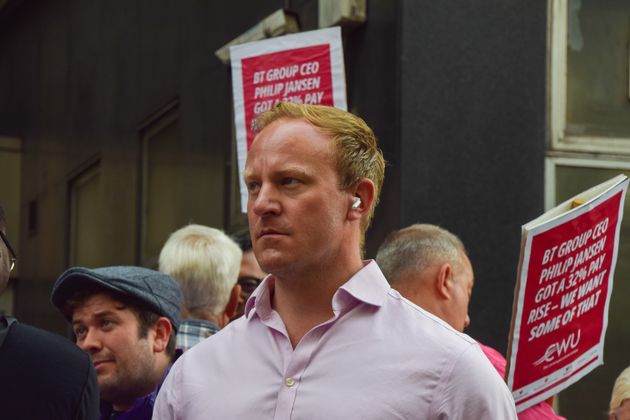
pixel 157 290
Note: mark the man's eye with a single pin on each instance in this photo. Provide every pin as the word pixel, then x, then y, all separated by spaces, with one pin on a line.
pixel 107 323
pixel 249 284
pixel 79 332
pixel 252 187
pixel 290 181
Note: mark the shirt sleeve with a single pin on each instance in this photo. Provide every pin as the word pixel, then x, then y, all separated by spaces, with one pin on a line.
pixel 473 390
pixel 165 407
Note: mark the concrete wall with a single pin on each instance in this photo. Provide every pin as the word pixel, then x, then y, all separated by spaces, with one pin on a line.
pixel 473 135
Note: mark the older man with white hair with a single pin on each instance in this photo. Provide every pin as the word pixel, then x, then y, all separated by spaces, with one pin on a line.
pixel 205 262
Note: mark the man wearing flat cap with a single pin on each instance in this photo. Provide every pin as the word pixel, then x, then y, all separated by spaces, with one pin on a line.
pixel 126 319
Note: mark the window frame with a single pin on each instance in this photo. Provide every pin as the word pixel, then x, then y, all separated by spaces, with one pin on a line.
pixel 558 70
pixel 148 129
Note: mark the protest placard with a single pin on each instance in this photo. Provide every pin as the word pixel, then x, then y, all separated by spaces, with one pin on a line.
pixel 560 314
pixel 303 68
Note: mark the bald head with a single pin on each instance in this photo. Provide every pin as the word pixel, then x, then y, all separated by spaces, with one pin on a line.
pixel 429 266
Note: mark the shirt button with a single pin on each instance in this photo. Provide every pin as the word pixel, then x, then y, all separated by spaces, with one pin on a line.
pixel 289 382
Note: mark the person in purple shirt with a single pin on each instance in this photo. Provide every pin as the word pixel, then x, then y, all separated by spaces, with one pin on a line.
pixel 324 336
pixel 429 266
pixel 126 319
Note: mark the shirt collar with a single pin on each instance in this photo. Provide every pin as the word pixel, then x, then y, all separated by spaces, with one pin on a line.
pixel 368 285
pixel 261 298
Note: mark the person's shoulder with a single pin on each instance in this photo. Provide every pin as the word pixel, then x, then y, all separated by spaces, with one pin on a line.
pixel 496 358
pixel 32 342
pixel 198 367
pixel 38 362
pixel 49 342
pixel 540 411
pixel 233 334
pixel 422 325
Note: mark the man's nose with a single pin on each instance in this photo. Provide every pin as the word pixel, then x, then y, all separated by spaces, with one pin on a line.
pixel 266 201
pixel 91 342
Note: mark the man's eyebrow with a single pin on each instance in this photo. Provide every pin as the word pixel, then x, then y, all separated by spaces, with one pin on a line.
pixel 291 171
pixel 282 172
pixel 100 314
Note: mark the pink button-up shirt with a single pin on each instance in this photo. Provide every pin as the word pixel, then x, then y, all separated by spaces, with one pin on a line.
pixel 379 357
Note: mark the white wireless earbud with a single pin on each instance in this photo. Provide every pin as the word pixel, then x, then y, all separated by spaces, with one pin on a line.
pixel 356 203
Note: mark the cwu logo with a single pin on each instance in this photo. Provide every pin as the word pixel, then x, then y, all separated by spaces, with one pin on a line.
pixel 560 348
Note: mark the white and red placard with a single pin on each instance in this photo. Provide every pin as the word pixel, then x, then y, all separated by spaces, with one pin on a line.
pixel 307 68
pixel 563 294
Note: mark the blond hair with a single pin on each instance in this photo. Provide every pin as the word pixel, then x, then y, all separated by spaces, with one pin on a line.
pixel 355 147
pixel 621 390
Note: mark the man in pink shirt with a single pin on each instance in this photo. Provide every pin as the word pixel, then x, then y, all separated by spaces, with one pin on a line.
pixel 429 266
pixel 324 336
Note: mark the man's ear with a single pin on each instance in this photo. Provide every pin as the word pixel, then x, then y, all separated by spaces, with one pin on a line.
pixel 232 305
pixel 365 191
pixel 443 283
pixel 162 330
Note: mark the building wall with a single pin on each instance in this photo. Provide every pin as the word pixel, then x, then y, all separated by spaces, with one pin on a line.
pixel 473 136
pixel 455 93
pixel 78 80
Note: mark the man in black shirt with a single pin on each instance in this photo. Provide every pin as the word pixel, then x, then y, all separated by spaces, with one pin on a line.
pixel 42 375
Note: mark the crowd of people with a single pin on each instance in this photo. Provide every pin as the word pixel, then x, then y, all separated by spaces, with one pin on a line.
pixel 286 321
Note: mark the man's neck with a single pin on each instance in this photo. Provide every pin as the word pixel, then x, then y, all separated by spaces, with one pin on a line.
pixel 204 315
pixel 163 363
pixel 122 406
pixel 304 299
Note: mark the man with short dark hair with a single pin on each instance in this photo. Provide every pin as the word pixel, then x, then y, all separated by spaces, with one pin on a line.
pixel 42 375
pixel 324 336
pixel 126 319
pixel 430 266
